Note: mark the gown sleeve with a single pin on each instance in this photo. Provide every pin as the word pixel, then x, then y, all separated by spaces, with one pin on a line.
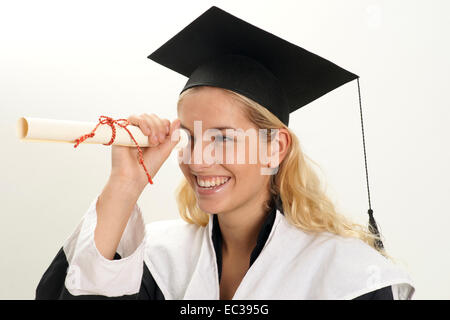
pixel 79 271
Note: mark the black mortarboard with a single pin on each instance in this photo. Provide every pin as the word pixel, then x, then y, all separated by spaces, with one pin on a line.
pixel 221 50
pixel 218 49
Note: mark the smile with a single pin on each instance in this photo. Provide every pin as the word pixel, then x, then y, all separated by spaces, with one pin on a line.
pixel 210 184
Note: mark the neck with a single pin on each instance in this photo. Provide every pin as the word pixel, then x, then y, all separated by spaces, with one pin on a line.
pixel 240 227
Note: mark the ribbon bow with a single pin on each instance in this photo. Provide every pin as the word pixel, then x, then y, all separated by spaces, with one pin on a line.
pixel 123 123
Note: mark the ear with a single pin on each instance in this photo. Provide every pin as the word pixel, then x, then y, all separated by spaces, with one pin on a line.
pixel 281 140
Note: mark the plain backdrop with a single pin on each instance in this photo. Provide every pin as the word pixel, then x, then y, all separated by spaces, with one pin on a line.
pixel 77 60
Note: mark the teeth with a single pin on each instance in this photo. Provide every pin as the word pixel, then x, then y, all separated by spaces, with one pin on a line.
pixel 212 183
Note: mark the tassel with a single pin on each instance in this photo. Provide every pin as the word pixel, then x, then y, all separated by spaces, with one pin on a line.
pixel 372 224
pixel 374 229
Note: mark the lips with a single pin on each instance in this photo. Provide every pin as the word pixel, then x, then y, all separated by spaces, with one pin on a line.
pixel 204 184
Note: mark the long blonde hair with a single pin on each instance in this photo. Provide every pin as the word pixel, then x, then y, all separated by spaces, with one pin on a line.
pixel 305 204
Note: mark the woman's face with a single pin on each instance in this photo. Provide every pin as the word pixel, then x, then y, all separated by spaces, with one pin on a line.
pixel 238 179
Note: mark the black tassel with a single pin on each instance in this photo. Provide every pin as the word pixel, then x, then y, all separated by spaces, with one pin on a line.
pixel 372 224
pixel 374 229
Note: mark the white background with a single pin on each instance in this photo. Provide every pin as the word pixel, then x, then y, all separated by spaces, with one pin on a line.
pixel 78 60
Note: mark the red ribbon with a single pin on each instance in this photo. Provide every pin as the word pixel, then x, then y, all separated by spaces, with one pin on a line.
pixel 121 123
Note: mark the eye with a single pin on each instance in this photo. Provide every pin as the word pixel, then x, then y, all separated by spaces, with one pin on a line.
pixel 220 138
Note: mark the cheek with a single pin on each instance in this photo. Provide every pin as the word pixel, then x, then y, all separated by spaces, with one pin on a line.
pixel 185 169
pixel 250 182
pixel 241 152
pixel 246 176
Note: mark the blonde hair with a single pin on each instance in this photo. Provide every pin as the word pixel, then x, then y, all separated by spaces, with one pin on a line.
pixel 305 204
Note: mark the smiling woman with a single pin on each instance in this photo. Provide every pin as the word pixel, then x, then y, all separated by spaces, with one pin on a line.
pixel 260 229
pixel 243 200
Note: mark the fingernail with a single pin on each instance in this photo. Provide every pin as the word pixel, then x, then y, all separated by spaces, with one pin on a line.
pixel 154 139
pixel 161 137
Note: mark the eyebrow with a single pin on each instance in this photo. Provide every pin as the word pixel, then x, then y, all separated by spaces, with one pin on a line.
pixel 218 128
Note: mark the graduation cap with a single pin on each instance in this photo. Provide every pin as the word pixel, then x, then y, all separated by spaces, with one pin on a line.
pixel 218 49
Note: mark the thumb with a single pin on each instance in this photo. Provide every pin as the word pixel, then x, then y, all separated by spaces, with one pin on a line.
pixel 174 133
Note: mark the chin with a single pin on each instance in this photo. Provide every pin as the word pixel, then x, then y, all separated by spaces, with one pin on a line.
pixel 210 207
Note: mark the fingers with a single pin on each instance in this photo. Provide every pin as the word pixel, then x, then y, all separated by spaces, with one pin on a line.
pixel 158 127
pixel 151 125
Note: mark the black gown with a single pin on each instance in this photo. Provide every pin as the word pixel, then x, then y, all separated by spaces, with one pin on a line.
pixel 51 285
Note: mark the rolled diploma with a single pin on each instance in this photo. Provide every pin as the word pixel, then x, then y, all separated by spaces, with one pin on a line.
pixel 50 130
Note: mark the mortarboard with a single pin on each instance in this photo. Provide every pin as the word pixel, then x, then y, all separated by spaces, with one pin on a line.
pixel 218 49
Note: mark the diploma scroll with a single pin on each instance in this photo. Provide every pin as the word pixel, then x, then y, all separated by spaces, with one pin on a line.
pixel 49 130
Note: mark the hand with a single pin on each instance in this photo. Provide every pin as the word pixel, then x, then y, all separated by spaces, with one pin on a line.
pixel 125 164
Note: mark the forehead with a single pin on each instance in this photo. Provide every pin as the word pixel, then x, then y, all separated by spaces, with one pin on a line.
pixel 214 107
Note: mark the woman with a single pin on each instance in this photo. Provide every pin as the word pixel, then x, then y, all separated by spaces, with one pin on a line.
pixel 245 233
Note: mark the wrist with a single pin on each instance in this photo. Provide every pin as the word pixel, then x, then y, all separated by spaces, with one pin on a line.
pixel 127 185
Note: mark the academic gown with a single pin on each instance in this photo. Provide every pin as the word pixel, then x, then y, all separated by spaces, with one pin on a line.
pixel 173 259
